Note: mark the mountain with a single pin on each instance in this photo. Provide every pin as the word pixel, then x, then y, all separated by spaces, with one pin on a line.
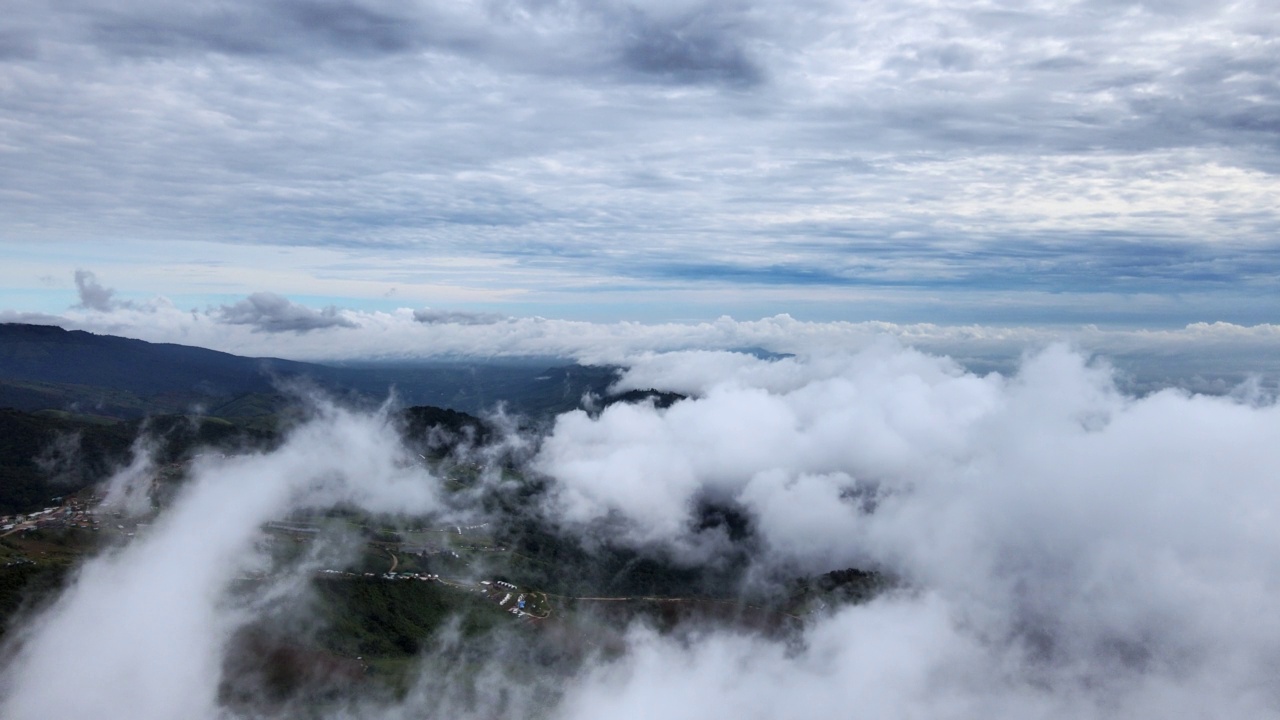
pixel 46 367
pixel 42 456
pixel 48 354
pixel 93 393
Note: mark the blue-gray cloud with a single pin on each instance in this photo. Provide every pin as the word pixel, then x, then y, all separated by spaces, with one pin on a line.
pixel 693 49
pixel 428 316
pixel 285 28
pixel 268 312
pixel 94 295
pixel 703 43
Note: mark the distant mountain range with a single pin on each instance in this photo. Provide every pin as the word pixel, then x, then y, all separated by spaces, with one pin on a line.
pixel 93 393
pixel 48 368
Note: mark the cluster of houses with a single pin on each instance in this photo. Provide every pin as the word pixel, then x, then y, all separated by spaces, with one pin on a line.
pixel 72 513
pixel 407 576
pixel 517 608
pixel 385 575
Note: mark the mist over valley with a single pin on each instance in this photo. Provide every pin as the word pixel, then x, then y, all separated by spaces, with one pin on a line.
pixel 698 533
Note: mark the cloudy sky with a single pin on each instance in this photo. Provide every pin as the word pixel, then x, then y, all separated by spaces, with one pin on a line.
pixel 998 163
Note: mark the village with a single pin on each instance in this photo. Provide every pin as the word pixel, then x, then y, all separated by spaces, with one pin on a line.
pixel 413 553
pixel 72 513
pixel 522 603
pixel 82 512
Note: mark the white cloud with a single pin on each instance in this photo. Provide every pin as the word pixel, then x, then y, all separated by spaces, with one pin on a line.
pixel 1081 553
pixel 143 630
pixel 1212 357
pixel 1067 550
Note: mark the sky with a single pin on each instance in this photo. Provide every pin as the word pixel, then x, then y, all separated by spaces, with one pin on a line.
pixel 992 164
pixel 897 194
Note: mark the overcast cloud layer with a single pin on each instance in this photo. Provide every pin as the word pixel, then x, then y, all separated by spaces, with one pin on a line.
pixel 1008 163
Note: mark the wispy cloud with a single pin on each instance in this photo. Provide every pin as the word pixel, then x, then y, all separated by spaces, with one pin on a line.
pixel 168 624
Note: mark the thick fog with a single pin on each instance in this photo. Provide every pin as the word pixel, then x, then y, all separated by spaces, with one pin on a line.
pixel 1069 551
pixel 1061 549
pixel 142 631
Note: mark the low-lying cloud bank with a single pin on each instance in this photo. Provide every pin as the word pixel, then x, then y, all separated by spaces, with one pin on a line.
pixel 1076 552
pixel 1066 549
pixel 1204 356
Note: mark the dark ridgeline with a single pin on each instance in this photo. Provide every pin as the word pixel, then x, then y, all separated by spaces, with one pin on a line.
pixel 49 354
pixel 48 368
pixel 71 402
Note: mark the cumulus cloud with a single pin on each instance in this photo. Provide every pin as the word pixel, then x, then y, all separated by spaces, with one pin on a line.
pixel 881 414
pixel 94 295
pixel 1080 552
pixel 1065 549
pixel 268 312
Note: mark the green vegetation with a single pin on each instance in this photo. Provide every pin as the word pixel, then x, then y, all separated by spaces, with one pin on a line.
pixel 52 453
pixel 838 587
pixel 87 399
pixel 46 367
pixel 43 457
pixel 26 584
pixel 435 432
pixel 660 398
pixel 374 617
